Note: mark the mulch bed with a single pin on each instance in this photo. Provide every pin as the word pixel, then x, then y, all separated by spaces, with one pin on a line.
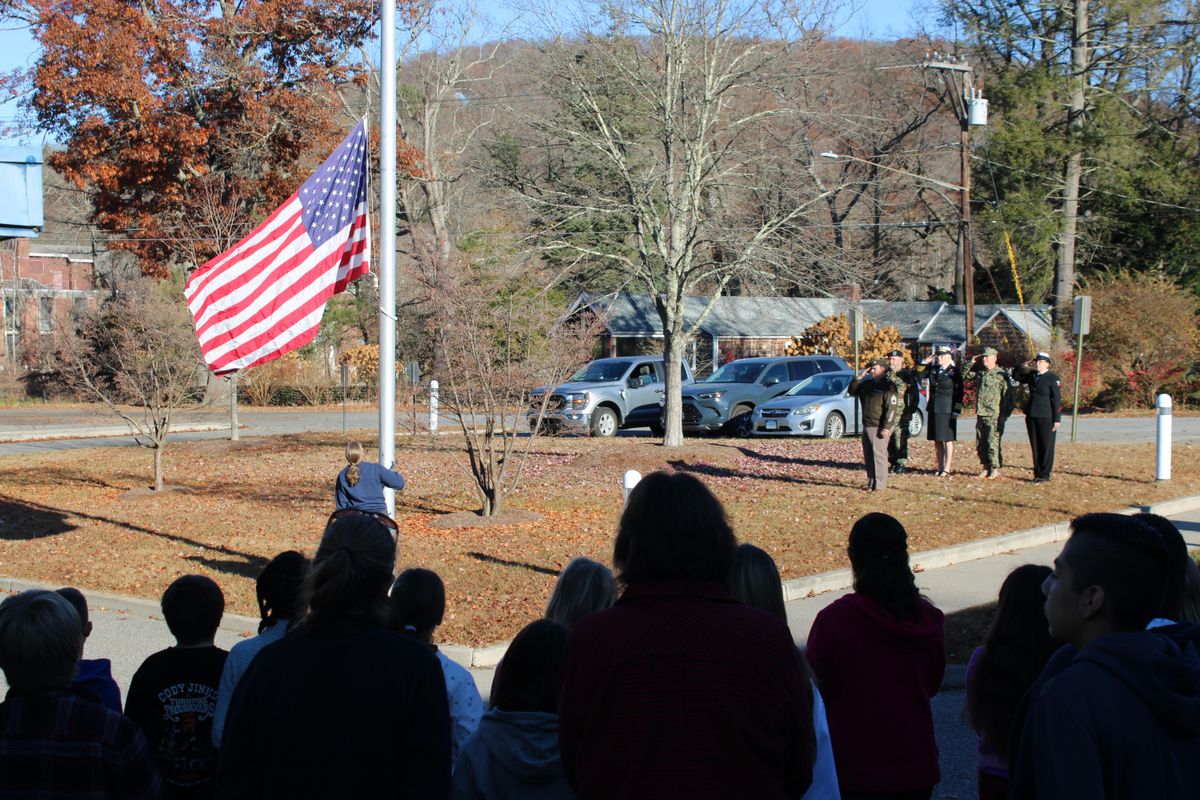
pixel 83 517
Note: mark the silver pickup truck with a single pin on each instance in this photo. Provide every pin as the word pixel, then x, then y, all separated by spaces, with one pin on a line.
pixel 606 395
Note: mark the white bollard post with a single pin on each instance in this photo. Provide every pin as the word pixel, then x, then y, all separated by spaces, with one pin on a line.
pixel 1163 466
pixel 433 406
pixel 628 481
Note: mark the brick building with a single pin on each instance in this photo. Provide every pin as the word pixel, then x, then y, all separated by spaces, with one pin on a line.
pixel 41 289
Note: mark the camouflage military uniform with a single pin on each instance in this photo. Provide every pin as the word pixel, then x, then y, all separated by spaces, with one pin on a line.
pixel 991 389
pixel 909 393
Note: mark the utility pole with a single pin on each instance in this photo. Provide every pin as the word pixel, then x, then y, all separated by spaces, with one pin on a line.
pixel 1064 267
pixel 971 109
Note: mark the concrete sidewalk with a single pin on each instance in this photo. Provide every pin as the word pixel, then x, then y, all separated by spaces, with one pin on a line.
pixel 974 582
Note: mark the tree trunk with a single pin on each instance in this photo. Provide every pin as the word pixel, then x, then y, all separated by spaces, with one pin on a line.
pixel 158 467
pixel 234 431
pixel 1064 268
pixel 673 343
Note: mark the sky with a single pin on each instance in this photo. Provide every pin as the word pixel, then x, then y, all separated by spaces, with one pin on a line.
pixel 874 19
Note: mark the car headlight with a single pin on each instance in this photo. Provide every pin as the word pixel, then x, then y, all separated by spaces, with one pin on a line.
pixel 577 400
pixel 806 410
pixel 711 395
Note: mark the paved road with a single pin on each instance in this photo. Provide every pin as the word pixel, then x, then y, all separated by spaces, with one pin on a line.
pixel 76 422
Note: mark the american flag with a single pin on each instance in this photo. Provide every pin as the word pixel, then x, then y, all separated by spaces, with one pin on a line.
pixel 265 296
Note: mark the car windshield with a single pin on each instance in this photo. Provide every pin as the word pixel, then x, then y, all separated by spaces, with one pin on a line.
pixel 820 386
pixel 602 371
pixel 734 372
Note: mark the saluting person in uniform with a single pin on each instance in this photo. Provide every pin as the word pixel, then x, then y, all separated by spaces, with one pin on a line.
pixel 944 406
pixel 991 388
pixel 880 412
pixel 909 394
pixel 1043 413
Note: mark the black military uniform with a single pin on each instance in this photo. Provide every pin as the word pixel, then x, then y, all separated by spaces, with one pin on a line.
pixel 945 401
pixel 880 413
pixel 1043 413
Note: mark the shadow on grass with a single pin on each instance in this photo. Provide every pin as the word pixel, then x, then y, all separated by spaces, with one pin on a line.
pixel 21 521
pixel 484 557
pixel 252 567
pixel 37 512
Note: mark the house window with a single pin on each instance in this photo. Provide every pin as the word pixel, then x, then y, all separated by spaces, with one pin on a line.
pixel 45 314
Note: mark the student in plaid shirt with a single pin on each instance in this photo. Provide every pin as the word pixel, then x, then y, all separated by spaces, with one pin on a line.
pixel 57 740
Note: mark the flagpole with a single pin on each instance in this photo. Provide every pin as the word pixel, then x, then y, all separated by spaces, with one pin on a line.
pixel 387 240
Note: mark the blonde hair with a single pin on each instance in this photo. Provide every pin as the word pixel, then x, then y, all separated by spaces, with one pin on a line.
pixel 583 587
pixel 354 454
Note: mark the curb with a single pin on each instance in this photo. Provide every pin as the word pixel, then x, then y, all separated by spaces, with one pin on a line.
pixel 233 623
pixel 800 588
pixel 114 432
pixel 488 656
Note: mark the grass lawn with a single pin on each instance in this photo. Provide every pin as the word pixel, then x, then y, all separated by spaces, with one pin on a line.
pixel 84 517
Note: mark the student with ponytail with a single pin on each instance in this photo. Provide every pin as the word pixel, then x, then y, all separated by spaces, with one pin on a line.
pixel 879 654
pixel 342 706
pixel 360 485
pixel 417 605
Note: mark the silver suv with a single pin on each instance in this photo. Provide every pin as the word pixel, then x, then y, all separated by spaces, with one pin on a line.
pixel 607 394
pixel 725 400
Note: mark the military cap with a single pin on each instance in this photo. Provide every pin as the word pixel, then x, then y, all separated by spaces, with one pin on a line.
pixel 1044 357
pixel 990 351
pixel 896 353
pixel 943 350
pixel 877 362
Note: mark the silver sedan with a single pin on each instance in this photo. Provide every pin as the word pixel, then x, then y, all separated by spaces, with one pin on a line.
pixel 818 406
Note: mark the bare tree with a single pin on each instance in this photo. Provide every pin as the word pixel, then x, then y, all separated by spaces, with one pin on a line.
pixel 499 336
pixel 138 349
pixel 662 98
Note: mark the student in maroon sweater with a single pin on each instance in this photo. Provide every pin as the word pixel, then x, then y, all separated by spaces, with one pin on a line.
pixel 679 690
pixel 879 655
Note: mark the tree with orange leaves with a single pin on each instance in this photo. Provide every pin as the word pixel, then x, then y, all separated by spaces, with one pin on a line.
pixel 181 116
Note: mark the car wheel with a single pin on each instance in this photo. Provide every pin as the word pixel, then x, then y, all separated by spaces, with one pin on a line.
pixel 835 426
pixel 740 422
pixel 604 422
pixel 916 424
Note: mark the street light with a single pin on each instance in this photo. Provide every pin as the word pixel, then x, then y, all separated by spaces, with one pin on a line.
pixel 839 156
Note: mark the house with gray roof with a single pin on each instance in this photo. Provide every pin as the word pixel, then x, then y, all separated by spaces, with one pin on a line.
pixel 740 327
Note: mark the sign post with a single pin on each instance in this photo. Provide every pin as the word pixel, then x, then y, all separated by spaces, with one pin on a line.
pixel 1081 323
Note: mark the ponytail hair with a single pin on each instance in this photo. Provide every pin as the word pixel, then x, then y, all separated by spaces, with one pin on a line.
pixel 350 573
pixel 354 454
pixel 879 558
pixel 280 587
pixel 417 603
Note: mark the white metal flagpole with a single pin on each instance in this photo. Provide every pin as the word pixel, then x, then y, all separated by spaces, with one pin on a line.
pixel 387 241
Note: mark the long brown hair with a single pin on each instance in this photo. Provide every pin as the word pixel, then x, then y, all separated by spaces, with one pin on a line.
pixel 354 454
pixel 1015 650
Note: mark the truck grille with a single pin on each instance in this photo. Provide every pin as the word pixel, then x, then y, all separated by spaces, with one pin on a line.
pixel 691 414
pixel 557 403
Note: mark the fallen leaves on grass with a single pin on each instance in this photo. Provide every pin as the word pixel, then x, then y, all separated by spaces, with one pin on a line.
pixel 77 517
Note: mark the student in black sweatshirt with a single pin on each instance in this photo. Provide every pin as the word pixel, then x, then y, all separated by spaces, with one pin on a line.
pixel 1116 714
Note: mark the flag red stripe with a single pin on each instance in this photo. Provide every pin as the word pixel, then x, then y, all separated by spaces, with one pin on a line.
pixel 197 285
pixel 299 273
pixel 236 296
pixel 286 269
pixel 280 320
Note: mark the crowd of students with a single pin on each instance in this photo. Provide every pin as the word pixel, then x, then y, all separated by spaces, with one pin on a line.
pixel 684 683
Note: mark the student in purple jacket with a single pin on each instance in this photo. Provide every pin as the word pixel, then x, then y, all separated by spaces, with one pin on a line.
pixel 360 485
